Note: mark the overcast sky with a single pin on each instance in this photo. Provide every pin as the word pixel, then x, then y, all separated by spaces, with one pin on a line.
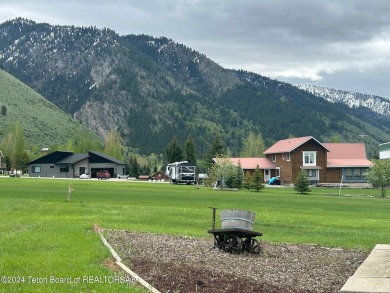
pixel 343 44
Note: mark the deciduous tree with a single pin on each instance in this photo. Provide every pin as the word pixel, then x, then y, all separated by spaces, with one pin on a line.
pixel 379 174
pixel 254 146
pixel 222 170
pixel 113 145
pixel 88 142
pixel 13 147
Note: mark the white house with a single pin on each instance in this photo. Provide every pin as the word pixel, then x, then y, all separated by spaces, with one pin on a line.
pixel 384 151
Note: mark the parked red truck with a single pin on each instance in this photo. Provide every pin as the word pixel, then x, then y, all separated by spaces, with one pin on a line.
pixel 103 174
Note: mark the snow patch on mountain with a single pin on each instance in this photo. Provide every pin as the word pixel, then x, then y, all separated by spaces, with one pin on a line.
pixel 352 99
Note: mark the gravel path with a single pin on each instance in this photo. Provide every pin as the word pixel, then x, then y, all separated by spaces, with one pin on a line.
pixel 186 264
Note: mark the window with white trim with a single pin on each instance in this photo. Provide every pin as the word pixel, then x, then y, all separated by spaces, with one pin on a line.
pixel 277 172
pixel 273 157
pixel 309 158
pixel 287 156
pixel 311 173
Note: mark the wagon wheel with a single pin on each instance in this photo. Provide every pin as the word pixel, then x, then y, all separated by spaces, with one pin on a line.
pixel 254 246
pixel 246 244
pixel 233 244
pixel 218 241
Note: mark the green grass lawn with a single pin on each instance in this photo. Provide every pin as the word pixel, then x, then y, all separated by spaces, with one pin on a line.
pixel 42 235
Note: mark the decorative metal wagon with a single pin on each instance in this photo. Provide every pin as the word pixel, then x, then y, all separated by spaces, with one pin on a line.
pixel 236 235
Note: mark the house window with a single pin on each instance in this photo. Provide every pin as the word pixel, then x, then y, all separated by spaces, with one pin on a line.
pixel 355 174
pixel 348 174
pixel 309 158
pixel 64 169
pixel 277 172
pixel 287 156
pixel 311 173
pixel 273 157
pixel 36 169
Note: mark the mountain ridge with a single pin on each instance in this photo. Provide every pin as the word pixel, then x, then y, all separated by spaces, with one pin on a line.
pixel 153 89
pixel 352 99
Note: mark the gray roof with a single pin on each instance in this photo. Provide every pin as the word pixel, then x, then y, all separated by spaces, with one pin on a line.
pixel 69 158
pixel 108 157
pixel 73 159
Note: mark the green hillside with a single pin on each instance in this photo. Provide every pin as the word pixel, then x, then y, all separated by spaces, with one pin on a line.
pixel 151 90
pixel 44 124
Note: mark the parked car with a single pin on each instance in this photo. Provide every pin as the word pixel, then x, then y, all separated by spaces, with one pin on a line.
pixel 274 181
pixel 84 176
pixel 103 174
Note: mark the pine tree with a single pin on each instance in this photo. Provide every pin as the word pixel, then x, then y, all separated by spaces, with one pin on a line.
pixel 238 177
pixel 301 183
pixel 174 152
pixel 3 110
pixel 133 167
pixel 189 150
pixel 257 180
pixel 217 148
pixel 246 182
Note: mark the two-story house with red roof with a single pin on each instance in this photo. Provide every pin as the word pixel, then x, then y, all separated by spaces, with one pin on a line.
pixel 322 162
pixel 292 155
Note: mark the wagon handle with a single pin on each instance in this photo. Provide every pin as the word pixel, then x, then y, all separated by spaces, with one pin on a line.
pixel 213 222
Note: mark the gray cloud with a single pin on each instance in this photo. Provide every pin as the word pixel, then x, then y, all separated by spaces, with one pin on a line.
pixel 343 44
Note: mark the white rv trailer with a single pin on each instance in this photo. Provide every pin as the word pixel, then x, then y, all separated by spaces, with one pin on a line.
pixel 181 172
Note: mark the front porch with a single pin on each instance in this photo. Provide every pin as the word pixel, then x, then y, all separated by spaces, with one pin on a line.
pixel 346 185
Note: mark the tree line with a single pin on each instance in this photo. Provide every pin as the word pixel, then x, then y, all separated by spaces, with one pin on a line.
pixel 17 155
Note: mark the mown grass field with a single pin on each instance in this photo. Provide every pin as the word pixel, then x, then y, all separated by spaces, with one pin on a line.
pixel 42 235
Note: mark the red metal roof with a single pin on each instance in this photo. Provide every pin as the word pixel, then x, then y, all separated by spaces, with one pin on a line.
pixel 339 154
pixel 290 144
pixel 347 155
pixel 346 150
pixel 251 163
pixel 338 163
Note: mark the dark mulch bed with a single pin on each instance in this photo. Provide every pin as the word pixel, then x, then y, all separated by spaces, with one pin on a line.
pixel 186 264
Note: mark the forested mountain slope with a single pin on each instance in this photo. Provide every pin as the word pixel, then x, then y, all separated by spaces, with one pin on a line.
pixel 152 89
